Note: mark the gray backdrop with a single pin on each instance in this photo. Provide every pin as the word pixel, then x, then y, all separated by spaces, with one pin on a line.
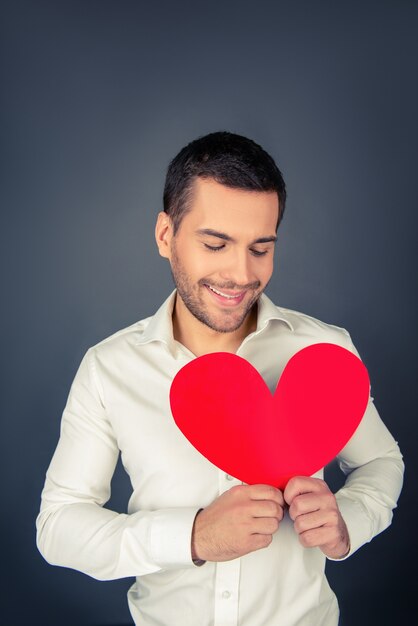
pixel 97 97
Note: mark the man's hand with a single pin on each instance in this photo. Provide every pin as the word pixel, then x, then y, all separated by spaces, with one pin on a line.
pixel 318 521
pixel 240 521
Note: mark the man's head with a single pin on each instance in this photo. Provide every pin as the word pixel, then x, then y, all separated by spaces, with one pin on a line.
pixel 224 199
pixel 229 159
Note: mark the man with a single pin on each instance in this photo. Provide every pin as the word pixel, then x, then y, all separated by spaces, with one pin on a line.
pixel 206 549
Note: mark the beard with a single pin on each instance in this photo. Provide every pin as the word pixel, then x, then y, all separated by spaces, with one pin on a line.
pixel 225 321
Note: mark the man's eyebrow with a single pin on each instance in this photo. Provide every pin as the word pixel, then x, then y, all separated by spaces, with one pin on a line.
pixel 225 237
pixel 214 233
pixel 273 238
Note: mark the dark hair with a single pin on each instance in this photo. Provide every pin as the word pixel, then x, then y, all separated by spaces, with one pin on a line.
pixel 229 159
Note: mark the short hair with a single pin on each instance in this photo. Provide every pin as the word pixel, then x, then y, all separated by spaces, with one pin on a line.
pixel 229 159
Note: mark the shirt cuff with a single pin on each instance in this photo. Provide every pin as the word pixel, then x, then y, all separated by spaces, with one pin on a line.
pixel 170 537
pixel 359 524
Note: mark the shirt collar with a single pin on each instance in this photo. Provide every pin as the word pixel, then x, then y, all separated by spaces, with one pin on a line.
pixel 268 311
pixel 160 325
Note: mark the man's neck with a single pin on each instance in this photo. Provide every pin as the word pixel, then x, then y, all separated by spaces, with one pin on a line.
pixel 200 339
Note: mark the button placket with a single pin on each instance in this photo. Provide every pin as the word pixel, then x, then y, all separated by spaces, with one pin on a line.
pixel 226 592
pixel 226 481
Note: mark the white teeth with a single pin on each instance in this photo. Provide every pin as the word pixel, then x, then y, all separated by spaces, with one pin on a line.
pixel 224 295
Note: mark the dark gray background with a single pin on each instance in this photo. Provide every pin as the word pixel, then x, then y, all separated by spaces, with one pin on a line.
pixel 97 97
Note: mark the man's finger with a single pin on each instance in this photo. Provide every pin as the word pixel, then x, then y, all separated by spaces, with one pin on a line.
pixel 265 525
pixel 267 508
pixel 266 492
pixel 304 504
pixel 310 521
pixel 303 484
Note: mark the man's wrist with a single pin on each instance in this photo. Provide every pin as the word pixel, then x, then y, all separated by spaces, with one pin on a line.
pixel 346 552
pixel 196 560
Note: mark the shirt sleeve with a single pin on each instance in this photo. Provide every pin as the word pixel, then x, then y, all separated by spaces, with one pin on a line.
pixel 373 465
pixel 73 528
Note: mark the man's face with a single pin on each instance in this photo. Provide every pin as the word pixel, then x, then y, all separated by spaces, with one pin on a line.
pixel 222 254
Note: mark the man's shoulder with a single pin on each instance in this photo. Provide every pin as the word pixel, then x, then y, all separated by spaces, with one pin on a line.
pixel 121 339
pixel 155 328
pixel 304 324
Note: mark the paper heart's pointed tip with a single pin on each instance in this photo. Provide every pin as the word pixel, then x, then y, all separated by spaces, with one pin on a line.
pixel 224 408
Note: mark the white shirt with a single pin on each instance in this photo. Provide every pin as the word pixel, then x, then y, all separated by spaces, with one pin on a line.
pixel 119 401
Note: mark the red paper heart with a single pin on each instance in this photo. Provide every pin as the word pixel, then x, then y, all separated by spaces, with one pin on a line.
pixel 222 405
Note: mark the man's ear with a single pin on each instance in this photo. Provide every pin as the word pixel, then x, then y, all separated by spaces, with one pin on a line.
pixel 164 234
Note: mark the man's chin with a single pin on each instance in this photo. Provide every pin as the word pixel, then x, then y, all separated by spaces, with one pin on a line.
pixel 228 324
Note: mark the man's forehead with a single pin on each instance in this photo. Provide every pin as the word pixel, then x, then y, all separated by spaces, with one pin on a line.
pixel 216 207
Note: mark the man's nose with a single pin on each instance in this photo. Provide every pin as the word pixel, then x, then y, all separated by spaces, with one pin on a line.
pixel 238 270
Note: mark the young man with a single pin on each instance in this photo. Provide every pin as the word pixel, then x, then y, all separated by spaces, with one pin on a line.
pixel 205 548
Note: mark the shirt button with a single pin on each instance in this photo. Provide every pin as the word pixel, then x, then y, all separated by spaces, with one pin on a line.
pixel 228 477
pixel 226 595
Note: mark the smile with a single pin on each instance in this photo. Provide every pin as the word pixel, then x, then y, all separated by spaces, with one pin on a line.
pixel 226 298
pixel 225 295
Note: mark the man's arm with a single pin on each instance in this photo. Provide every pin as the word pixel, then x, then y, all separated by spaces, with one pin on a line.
pixel 373 486
pixel 73 528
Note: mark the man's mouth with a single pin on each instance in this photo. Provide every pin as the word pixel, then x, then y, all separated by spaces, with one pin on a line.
pixel 222 296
